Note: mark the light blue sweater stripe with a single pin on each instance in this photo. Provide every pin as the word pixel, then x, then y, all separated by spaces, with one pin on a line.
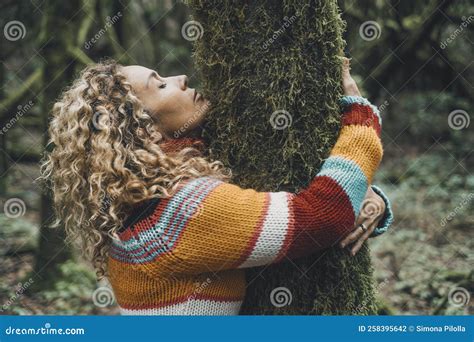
pixel 349 176
pixel 179 219
pixel 167 214
pixel 156 238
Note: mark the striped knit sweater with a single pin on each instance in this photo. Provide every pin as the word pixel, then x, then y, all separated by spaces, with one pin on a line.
pixel 186 255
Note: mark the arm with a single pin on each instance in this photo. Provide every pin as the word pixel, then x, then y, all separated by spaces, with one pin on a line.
pixel 209 225
pixel 376 214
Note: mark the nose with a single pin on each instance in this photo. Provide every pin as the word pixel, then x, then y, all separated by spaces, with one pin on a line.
pixel 183 82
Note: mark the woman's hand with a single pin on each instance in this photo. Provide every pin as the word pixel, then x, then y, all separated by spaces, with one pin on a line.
pixel 348 84
pixel 372 211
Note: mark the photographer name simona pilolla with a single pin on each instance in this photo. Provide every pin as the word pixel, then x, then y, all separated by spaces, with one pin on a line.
pixel 411 328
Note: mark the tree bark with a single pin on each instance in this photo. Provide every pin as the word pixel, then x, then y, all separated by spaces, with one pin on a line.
pixel 58 34
pixel 272 73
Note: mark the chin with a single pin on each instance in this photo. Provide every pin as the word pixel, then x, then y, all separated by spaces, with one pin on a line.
pixel 188 132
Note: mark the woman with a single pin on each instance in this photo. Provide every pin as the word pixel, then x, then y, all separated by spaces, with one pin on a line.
pixel 161 220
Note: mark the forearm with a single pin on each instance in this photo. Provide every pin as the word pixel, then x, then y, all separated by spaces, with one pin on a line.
pixel 334 197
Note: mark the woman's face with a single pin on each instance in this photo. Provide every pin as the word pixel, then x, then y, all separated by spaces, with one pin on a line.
pixel 176 108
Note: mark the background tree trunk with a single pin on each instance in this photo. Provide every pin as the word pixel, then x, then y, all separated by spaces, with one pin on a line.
pixel 58 36
pixel 272 74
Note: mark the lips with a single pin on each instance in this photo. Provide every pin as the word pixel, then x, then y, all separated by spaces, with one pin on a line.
pixel 197 96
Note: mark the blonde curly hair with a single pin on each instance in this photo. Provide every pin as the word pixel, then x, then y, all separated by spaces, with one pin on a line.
pixel 104 157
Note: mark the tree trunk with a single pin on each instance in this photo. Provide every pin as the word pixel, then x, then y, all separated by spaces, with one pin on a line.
pixel 58 34
pixel 271 71
pixel 3 141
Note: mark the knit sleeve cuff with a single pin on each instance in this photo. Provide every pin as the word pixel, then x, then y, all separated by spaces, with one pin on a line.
pixel 347 100
pixel 387 219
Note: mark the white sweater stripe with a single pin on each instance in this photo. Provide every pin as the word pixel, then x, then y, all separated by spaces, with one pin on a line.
pixel 273 233
pixel 199 307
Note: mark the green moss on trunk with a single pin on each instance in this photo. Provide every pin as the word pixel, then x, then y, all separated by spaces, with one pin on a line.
pixel 256 58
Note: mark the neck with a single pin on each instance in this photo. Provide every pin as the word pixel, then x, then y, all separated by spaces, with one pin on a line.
pixel 177 144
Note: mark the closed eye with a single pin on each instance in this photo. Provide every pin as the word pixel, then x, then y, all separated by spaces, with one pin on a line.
pixel 162 86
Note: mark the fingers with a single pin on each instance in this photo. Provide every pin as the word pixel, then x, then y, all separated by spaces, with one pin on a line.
pixel 370 215
pixel 358 231
pixel 352 237
pixel 348 84
pixel 345 62
pixel 362 239
pixel 359 235
pixel 346 66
